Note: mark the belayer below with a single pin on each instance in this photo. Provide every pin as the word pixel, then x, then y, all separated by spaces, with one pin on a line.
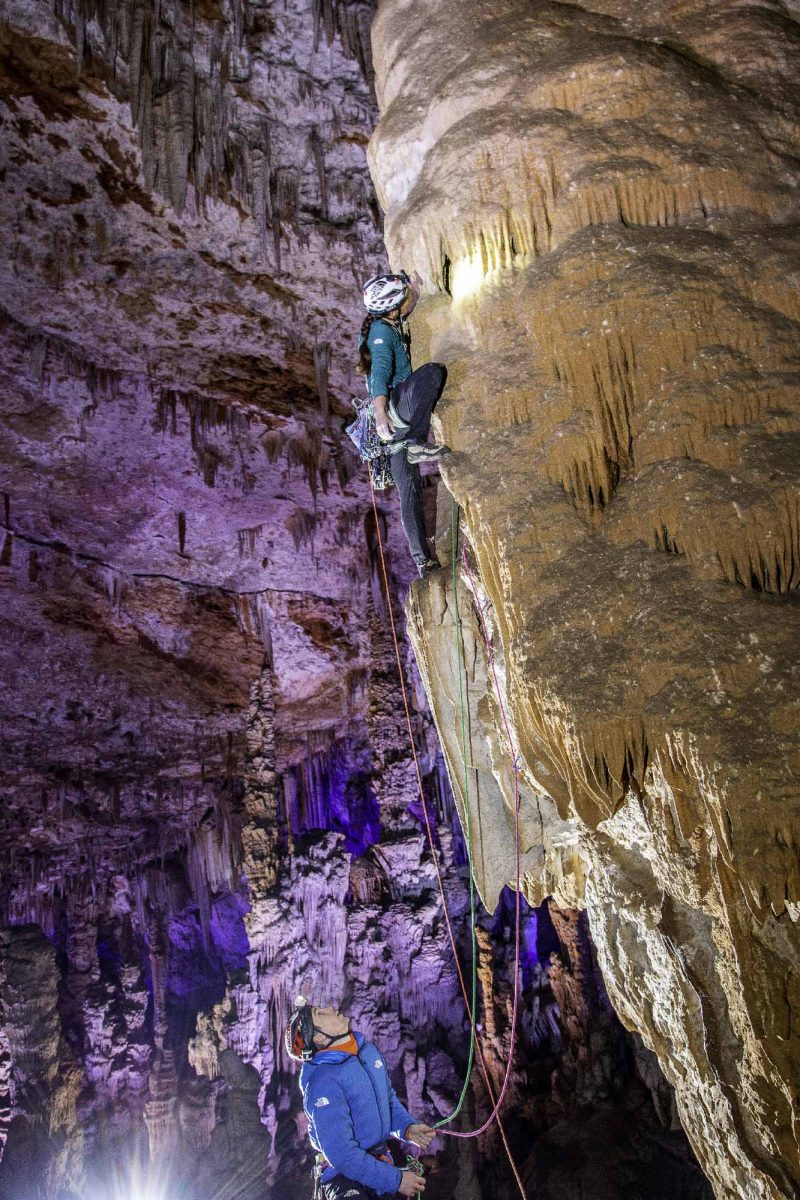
pixel 351 1108
pixel 401 401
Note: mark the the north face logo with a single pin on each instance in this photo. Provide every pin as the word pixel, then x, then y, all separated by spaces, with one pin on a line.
pixel 378 1064
pixel 323 1100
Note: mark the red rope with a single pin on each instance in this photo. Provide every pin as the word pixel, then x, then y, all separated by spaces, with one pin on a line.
pixel 495 1114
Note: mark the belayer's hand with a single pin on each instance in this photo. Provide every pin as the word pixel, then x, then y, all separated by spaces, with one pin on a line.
pixel 410 1184
pixel 420 1135
pixel 384 428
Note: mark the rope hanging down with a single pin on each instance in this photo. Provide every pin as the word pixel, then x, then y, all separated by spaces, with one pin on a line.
pixel 470 1007
pixel 473 1005
pixel 517 856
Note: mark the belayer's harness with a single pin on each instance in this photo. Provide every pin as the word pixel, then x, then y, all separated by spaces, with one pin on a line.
pixel 381 1152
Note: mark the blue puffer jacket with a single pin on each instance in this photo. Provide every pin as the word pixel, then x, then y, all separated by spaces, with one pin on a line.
pixel 351 1106
pixel 391 361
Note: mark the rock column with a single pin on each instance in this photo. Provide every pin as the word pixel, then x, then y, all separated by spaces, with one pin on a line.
pixel 603 207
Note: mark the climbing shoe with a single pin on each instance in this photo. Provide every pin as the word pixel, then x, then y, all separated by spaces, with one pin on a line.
pixel 421 452
pixel 428 568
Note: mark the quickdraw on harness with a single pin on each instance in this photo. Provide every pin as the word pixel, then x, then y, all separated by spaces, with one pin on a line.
pixel 470 1006
pixel 363 433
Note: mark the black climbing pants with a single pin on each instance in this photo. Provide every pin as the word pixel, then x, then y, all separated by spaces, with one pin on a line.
pixel 414 401
pixel 340 1188
pixel 416 397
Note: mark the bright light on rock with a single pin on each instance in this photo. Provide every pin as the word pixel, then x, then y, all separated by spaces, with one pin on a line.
pixel 466 277
pixel 139 1181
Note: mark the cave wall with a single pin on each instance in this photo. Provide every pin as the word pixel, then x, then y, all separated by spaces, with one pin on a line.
pixel 202 812
pixel 603 206
pixel 208 802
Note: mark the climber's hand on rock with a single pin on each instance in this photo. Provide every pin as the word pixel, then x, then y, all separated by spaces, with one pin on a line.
pixel 410 1184
pixel 414 289
pixel 420 1135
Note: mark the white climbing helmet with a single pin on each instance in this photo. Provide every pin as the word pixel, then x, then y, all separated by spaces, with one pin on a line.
pixel 384 292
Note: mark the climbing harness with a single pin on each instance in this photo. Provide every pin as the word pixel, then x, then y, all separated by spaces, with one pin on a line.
pixel 380 1151
pixel 470 1007
pixel 363 433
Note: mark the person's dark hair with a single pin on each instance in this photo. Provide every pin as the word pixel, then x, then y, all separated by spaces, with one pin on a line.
pixel 364 360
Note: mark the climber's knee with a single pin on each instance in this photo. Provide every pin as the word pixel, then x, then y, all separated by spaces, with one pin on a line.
pixel 435 373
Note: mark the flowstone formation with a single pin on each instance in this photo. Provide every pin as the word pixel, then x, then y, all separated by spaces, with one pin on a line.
pixel 208 801
pixel 603 206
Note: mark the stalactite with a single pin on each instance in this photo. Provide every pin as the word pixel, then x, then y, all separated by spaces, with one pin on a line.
pixel 301 524
pixel 286 200
pixel 262 184
pixel 354 20
pixel 486 979
pixel 323 15
pixel 310 451
pixel 317 151
pixel 322 362
pixel 247 540
pixel 273 442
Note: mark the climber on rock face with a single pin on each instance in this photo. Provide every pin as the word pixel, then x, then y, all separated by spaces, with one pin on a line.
pixel 351 1108
pixel 404 399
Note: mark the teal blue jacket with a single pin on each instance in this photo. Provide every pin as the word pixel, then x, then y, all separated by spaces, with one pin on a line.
pixel 391 362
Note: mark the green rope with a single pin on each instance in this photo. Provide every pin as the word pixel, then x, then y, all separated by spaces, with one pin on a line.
pixel 468 821
pixel 414 1164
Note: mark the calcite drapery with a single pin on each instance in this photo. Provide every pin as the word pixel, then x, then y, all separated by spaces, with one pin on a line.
pixel 603 204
